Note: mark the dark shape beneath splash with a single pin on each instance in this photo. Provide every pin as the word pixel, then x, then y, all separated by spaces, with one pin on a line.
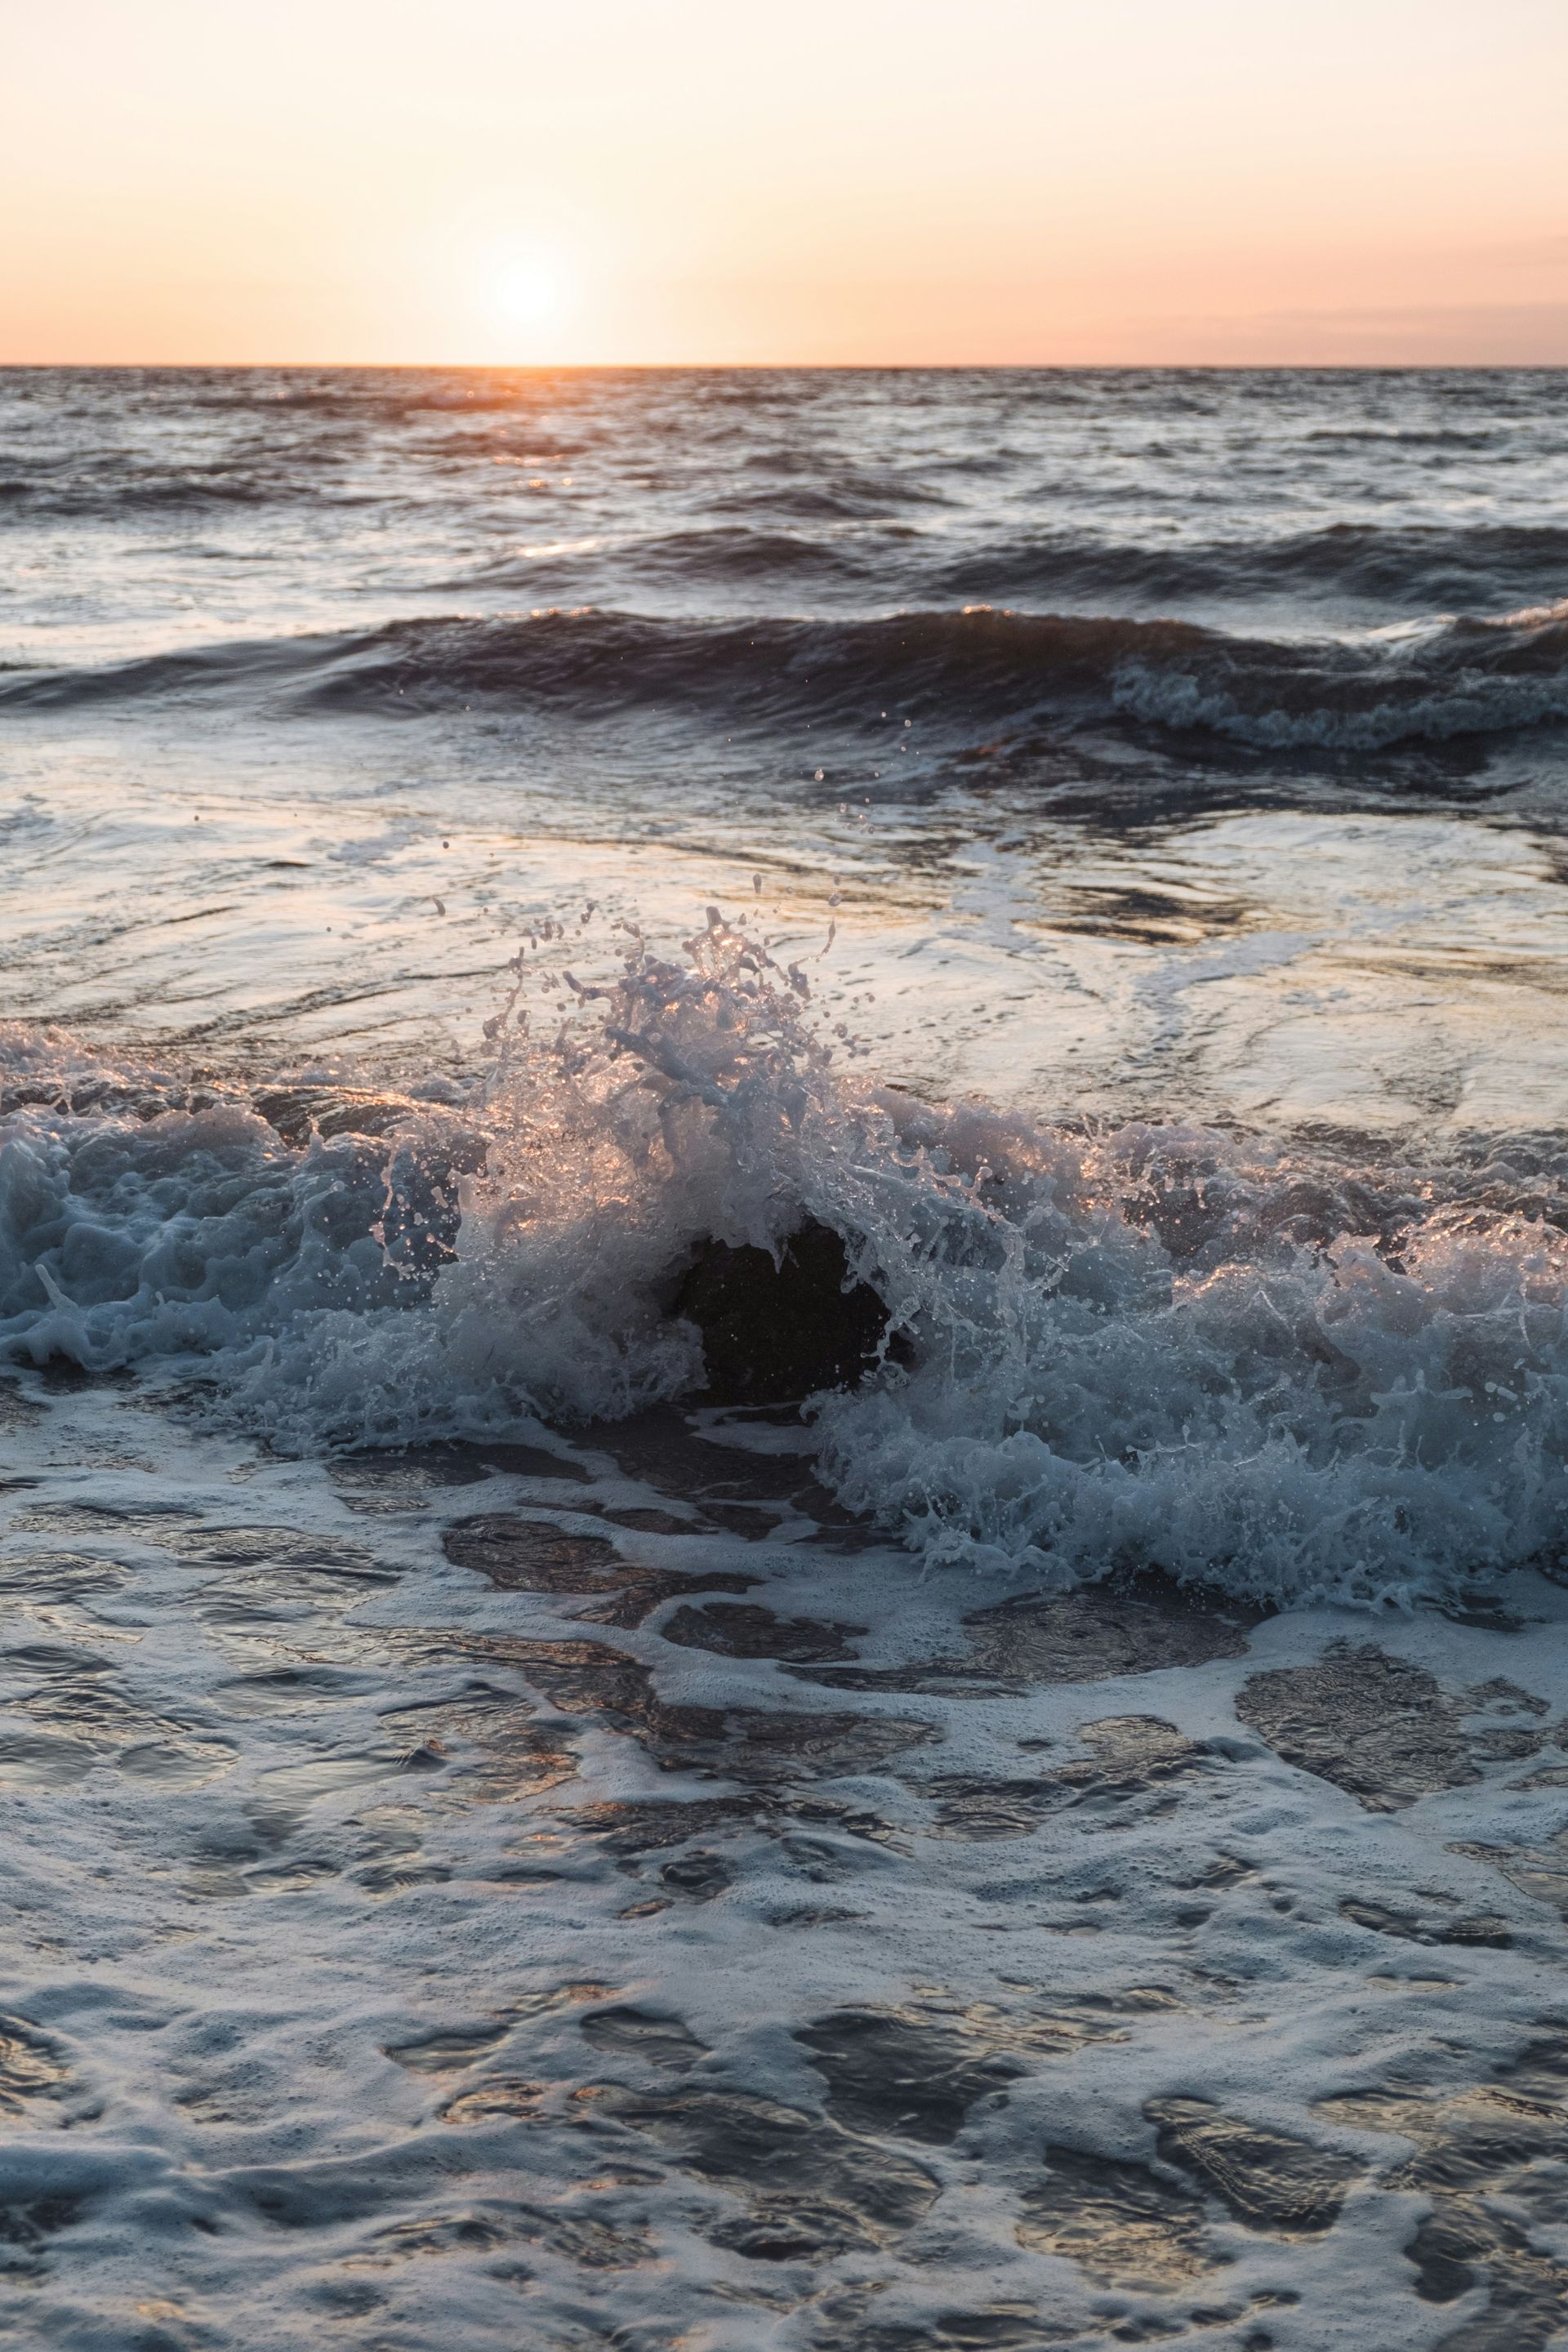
pixel 772 1334
pixel 662 1449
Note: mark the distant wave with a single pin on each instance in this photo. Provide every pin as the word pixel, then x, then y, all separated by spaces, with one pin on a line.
pixel 82 497
pixel 726 559
pixel 1415 436
pixel 1414 568
pixel 952 671
pixel 1417 569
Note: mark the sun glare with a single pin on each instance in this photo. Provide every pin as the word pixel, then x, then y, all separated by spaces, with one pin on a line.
pixel 525 295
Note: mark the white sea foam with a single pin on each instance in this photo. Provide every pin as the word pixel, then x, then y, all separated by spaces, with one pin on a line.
pixel 320 2005
pixel 1149 1345
pixel 1433 681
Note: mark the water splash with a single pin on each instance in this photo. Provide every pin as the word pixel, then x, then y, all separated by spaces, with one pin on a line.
pixel 1151 1346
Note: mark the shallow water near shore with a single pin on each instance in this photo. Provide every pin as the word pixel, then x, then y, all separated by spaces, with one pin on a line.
pixel 1064 1843
pixel 595 1892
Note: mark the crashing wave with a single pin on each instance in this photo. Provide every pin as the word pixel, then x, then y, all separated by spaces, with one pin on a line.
pixel 1151 1346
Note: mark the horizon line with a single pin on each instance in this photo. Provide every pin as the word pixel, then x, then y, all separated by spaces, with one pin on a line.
pixel 818 367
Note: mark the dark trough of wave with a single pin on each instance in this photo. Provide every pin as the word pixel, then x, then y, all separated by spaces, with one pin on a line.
pixel 975 667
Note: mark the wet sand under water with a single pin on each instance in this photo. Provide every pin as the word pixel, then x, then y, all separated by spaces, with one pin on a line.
pixel 594 1892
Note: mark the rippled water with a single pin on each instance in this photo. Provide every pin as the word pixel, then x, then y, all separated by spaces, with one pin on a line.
pixel 1196 737
pixel 1058 1845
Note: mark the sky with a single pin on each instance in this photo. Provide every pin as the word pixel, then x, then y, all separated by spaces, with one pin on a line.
pixel 893 182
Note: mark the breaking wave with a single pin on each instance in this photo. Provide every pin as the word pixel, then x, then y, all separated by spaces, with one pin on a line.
pixel 1155 1347
pixel 956 672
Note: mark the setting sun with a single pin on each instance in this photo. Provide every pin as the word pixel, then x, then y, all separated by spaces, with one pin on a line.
pixel 1125 183
pixel 531 290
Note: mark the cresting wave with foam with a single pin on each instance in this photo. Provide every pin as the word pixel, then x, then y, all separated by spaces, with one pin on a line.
pixel 983 667
pixel 1151 1346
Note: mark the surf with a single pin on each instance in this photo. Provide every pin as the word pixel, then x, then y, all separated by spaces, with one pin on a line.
pixel 1223 1358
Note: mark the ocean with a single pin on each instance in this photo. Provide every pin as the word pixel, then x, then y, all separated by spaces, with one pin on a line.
pixel 533 1817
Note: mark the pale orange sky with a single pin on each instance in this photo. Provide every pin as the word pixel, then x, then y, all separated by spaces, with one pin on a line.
pixel 842 179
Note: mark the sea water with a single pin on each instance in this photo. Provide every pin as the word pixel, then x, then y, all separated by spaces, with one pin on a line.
pixel 1064 1843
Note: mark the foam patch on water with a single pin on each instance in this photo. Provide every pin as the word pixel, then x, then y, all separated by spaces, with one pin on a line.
pixel 1151 1346
pixel 1434 682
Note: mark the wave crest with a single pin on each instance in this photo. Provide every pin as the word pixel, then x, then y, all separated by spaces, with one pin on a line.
pixel 1152 1348
pixel 956 673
